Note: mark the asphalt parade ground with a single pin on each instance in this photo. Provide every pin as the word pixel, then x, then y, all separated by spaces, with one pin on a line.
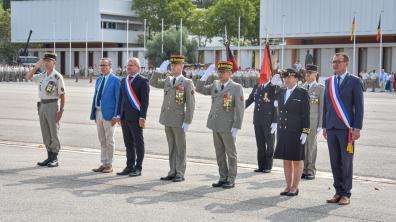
pixel 72 192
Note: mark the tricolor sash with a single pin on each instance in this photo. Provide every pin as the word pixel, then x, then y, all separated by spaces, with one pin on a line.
pixel 133 99
pixel 340 109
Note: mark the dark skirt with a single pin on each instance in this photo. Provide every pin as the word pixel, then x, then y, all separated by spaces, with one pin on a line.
pixel 289 147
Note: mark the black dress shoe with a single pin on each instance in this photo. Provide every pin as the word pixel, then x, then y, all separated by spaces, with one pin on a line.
pixel 46 161
pixel 167 178
pixel 135 173
pixel 228 185
pixel 290 194
pixel 266 171
pixel 124 172
pixel 53 160
pixel 219 183
pixel 258 170
pixel 178 179
pixel 284 193
pixel 309 177
pixel 303 176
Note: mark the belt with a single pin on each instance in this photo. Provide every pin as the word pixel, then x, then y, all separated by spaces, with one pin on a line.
pixel 45 101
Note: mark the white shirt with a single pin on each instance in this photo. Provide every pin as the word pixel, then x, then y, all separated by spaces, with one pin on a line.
pixel 342 77
pixel 177 78
pixel 51 86
pixel 289 92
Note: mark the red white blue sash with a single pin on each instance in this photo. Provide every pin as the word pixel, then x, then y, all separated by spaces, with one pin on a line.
pixel 133 99
pixel 340 109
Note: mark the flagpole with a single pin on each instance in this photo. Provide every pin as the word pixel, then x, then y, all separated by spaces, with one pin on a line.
pixel 127 38
pixel 70 51
pixel 354 45
pixel 102 38
pixel 162 36
pixel 181 36
pixel 53 35
pixel 260 55
pixel 283 40
pixel 86 49
pixel 239 40
pixel 380 55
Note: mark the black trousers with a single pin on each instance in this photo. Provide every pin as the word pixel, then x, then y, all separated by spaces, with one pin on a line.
pixel 265 146
pixel 134 143
pixel 341 162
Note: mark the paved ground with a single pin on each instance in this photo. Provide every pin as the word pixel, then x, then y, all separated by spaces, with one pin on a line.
pixel 72 193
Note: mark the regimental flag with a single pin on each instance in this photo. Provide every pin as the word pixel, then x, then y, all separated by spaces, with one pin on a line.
pixel 230 58
pixel 353 29
pixel 266 66
pixel 379 30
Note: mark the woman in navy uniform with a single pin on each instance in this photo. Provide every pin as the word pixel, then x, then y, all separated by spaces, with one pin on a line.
pixel 293 128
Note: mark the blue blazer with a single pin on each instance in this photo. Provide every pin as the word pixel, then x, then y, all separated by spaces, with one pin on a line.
pixel 142 90
pixel 109 101
pixel 351 94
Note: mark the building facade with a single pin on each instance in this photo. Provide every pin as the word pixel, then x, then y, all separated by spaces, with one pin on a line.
pixel 76 29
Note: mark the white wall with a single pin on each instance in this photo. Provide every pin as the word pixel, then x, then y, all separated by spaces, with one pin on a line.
pixel 325 18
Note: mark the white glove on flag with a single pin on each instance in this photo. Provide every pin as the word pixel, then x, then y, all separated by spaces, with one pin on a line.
pixel 208 72
pixel 234 132
pixel 274 127
pixel 185 127
pixel 319 130
pixel 303 138
pixel 163 67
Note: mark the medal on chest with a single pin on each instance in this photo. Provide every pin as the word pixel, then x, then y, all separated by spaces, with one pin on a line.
pixel 227 102
pixel 179 94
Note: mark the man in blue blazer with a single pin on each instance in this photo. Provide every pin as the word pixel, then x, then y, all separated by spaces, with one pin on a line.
pixel 342 122
pixel 132 111
pixel 104 112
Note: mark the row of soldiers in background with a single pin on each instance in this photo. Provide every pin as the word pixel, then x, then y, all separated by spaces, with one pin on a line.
pixel 384 81
pixel 13 73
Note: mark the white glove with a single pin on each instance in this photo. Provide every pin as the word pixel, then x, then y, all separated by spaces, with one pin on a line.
pixel 204 77
pixel 208 72
pixel 276 103
pixel 303 138
pixel 185 127
pixel 274 127
pixel 234 132
pixel 319 130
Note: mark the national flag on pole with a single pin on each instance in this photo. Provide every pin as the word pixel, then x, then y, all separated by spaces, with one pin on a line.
pixel 230 58
pixel 266 66
pixel 379 30
pixel 353 29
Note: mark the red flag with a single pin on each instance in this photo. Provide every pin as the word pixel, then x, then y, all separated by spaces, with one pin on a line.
pixel 266 66
pixel 230 58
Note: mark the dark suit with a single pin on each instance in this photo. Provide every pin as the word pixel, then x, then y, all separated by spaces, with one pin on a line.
pixel 351 94
pixel 293 120
pixel 264 115
pixel 132 132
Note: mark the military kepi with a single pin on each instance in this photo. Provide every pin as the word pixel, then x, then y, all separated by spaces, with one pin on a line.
pixel 311 68
pixel 224 66
pixel 291 72
pixel 177 59
pixel 49 55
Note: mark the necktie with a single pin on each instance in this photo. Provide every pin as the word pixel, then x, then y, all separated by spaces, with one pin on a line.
pixel 99 95
pixel 174 81
pixel 222 87
pixel 339 81
pixel 308 87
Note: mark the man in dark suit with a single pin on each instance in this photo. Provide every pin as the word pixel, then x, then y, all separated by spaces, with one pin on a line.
pixel 265 123
pixel 132 110
pixel 338 132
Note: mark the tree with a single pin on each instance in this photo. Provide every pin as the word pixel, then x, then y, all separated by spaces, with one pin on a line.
pixel 153 11
pixel 7 49
pixel 226 13
pixel 171 46
pixel 199 25
pixel 179 9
